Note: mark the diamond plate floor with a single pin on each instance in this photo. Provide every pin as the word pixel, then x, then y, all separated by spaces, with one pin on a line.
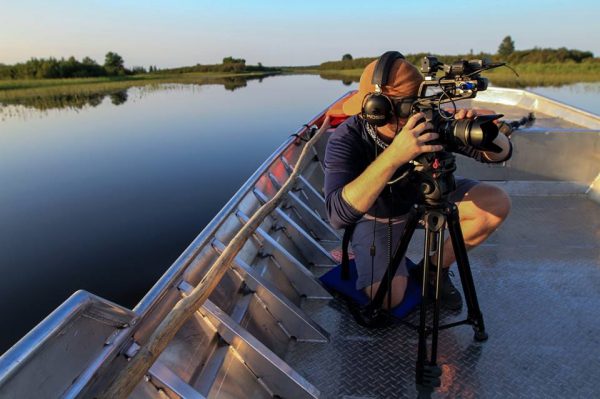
pixel 538 283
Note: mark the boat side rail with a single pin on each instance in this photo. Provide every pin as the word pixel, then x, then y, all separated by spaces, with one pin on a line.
pixel 537 102
pixel 549 158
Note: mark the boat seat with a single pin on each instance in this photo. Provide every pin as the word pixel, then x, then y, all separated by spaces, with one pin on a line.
pixel 347 289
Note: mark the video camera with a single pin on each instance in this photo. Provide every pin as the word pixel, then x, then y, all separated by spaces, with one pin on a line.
pixel 460 80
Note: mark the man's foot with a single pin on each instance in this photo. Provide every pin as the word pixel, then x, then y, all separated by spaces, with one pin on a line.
pixel 450 297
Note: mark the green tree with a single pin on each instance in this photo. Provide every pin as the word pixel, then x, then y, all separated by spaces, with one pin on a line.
pixel 507 47
pixel 136 70
pixel 114 64
pixel 347 57
pixel 88 61
pixel 231 60
pixel 231 64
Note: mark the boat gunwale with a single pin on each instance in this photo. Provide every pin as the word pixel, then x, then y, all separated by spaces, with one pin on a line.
pixel 590 121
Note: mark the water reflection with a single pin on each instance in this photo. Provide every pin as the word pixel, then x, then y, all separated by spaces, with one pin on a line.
pixel 50 98
pixel 73 101
pixel 345 79
pixel 11 105
pixel 119 97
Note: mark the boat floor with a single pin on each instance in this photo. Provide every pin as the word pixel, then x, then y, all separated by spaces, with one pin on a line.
pixel 538 284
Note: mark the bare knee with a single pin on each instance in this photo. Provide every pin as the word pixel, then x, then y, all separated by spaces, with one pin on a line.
pixel 496 207
pixel 487 204
pixel 398 290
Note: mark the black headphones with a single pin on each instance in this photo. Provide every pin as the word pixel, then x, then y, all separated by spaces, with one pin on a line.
pixel 377 108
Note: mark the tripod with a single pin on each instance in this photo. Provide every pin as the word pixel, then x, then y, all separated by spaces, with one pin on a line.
pixel 437 212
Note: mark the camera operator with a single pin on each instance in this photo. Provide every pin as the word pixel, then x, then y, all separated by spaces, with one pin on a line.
pixel 366 185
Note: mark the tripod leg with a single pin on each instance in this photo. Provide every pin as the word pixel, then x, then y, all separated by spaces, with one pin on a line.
pixel 427 372
pixel 438 291
pixel 475 316
pixel 422 348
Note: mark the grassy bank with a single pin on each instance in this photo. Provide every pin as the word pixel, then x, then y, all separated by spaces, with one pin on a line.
pixel 13 90
pixel 45 94
pixel 545 74
pixel 553 74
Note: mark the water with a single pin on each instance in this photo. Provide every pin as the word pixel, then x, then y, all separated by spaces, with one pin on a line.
pixel 585 96
pixel 105 198
pixel 104 194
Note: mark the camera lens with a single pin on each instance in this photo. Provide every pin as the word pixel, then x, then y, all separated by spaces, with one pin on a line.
pixel 478 133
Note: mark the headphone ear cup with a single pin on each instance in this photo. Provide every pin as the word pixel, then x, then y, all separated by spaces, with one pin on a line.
pixel 377 109
pixel 403 109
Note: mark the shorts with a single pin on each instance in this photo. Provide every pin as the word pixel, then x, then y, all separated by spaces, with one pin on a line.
pixel 371 269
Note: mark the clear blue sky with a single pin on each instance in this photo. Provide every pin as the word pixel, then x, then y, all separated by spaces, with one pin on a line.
pixel 280 32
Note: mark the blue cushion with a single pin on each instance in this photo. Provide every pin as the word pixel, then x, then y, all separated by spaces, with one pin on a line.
pixel 347 288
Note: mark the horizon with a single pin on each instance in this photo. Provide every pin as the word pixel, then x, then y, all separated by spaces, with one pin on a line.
pixel 284 34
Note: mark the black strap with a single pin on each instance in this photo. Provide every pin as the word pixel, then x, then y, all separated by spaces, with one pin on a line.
pixel 345 269
pixel 409 229
pixel 383 67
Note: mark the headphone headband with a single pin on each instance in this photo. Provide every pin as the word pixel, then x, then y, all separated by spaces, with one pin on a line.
pixel 377 108
pixel 381 73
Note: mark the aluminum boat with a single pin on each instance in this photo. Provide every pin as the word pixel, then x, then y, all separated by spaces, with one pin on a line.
pixel 271 330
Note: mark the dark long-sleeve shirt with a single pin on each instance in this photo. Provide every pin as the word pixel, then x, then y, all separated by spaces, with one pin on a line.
pixel 349 151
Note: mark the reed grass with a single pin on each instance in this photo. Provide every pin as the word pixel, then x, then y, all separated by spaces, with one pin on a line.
pixel 545 74
pixel 13 90
pixel 555 74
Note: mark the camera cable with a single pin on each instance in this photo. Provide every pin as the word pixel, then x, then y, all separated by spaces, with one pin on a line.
pixel 373 248
pixel 439 105
pixel 378 143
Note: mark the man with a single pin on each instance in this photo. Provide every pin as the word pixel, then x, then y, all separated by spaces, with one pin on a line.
pixel 365 186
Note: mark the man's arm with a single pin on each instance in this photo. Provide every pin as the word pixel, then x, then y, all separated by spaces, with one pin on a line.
pixel 362 192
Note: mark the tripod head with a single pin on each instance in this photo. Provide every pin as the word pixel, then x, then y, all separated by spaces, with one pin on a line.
pixel 434 172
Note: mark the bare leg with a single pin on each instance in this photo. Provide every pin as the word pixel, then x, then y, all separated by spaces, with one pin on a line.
pixel 483 208
pixel 398 290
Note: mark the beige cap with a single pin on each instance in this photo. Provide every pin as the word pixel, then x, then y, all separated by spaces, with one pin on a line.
pixel 403 81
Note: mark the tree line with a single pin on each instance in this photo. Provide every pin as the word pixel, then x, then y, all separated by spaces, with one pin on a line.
pixel 506 53
pixel 114 65
pixel 53 68
pixel 229 64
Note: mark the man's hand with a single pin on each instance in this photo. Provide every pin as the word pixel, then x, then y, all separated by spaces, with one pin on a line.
pixel 465 114
pixel 411 141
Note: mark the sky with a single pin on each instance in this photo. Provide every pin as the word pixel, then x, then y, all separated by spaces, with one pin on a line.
pixel 279 32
